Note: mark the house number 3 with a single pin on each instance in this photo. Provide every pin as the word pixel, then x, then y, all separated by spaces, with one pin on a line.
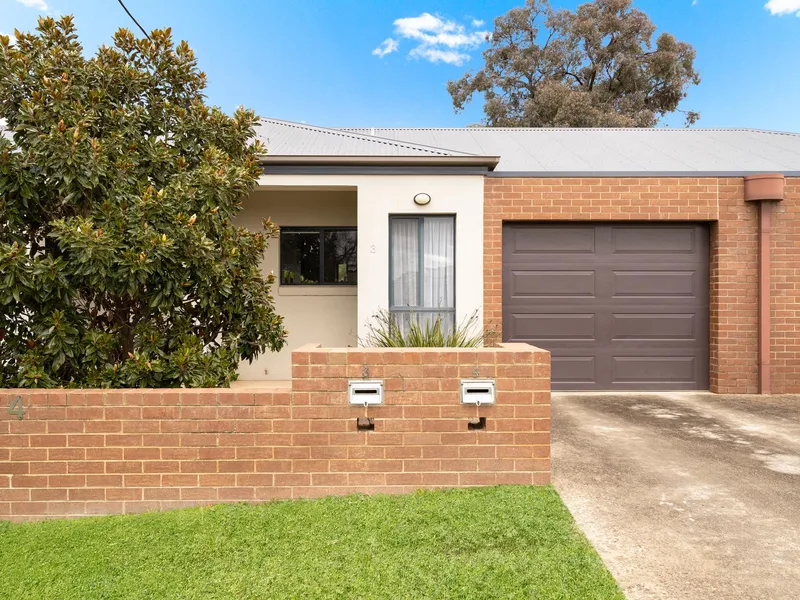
pixel 15 407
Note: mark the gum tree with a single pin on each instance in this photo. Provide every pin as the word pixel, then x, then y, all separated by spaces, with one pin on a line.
pixel 594 67
pixel 120 265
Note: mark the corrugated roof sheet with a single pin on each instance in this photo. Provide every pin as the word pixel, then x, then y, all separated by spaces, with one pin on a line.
pixel 619 151
pixel 284 138
pixel 549 151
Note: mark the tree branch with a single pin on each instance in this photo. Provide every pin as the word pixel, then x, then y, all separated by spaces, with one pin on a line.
pixel 578 79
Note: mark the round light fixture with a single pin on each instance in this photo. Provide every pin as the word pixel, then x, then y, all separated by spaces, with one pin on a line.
pixel 422 199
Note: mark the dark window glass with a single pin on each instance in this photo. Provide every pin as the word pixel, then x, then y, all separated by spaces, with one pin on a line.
pixel 339 256
pixel 313 256
pixel 300 252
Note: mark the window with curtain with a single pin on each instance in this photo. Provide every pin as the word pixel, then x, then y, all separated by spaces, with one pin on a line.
pixel 422 268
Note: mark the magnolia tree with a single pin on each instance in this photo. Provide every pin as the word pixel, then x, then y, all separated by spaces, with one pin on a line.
pixel 119 262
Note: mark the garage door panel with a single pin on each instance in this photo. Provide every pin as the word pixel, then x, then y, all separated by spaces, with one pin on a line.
pixel 557 240
pixel 630 315
pixel 574 369
pixel 654 369
pixel 654 240
pixel 549 284
pixel 654 326
pixel 652 283
pixel 554 326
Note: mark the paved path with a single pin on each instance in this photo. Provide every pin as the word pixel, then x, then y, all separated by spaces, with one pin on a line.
pixel 685 495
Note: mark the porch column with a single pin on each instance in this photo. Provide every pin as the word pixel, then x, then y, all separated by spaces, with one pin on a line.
pixel 766 190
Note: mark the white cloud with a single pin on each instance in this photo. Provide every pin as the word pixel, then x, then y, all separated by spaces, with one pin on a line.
pixel 434 55
pixel 434 31
pixel 37 4
pixel 437 39
pixel 783 7
pixel 387 47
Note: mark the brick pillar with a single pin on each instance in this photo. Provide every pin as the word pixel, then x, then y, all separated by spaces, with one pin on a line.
pixel 766 190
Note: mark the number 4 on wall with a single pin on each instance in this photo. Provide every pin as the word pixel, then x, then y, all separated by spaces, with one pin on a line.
pixel 16 407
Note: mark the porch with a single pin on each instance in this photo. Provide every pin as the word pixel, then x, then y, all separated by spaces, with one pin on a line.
pixel 314 266
pixel 353 245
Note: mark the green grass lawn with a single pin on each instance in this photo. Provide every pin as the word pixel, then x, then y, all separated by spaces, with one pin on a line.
pixel 500 542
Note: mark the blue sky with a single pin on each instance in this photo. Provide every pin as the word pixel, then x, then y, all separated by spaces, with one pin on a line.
pixel 314 60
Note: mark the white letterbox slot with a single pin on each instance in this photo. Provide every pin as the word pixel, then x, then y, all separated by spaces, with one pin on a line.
pixel 365 392
pixel 475 391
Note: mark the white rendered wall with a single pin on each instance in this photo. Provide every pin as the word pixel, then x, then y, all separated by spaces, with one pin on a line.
pixel 320 313
pixel 379 196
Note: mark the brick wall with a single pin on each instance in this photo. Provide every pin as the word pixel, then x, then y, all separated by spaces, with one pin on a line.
pixel 785 291
pixel 734 293
pixel 86 452
pixel 734 260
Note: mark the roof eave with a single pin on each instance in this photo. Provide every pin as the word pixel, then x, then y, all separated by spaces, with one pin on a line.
pixel 490 162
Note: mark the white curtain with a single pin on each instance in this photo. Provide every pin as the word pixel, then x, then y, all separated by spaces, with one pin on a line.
pixel 439 272
pixel 405 260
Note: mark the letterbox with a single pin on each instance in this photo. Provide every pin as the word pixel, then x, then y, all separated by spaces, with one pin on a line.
pixel 477 391
pixel 365 391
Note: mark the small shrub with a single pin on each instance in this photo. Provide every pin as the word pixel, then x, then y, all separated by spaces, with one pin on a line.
pixel 387 331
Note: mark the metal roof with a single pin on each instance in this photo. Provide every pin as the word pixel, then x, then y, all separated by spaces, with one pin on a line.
pixel 284 138
pixel 537 151
pixel 621 152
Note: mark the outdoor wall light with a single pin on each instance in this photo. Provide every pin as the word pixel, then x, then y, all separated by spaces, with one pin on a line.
pixel 422 199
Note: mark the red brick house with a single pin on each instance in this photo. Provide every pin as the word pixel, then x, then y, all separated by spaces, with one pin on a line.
pixel 642 259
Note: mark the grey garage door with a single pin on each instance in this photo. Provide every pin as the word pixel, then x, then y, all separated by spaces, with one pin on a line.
pixel 620 306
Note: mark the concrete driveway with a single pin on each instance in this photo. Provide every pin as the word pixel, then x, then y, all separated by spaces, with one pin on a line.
pixel 685 495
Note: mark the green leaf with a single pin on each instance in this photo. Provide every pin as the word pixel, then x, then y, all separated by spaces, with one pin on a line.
pixel 97 260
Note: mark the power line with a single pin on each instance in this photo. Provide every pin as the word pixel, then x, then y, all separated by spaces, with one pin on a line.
pixel 134 19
